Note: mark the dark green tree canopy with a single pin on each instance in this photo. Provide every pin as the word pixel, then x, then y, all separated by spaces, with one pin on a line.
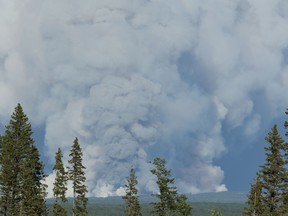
pixel 273 173
pixel 60 186
pixel 170 203
pixel 267 195
pixel 77 176
pixel 132 207
pixel 255 205
pixel 21 173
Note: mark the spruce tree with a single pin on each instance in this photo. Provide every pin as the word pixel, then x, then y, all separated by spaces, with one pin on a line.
pixel 182 206
pixel 132 207
pixel 255 205
pixel 77 176
pixel 33 191
pixel 9 178
pixel 285 183
pixel 286 123
pixel 60 186
pixel 273 174
pixel 21 174
pixel 170 203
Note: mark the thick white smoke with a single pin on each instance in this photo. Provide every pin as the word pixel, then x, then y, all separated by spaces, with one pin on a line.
pixel 137 79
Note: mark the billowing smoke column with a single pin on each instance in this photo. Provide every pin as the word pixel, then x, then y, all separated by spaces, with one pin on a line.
pixel 137 79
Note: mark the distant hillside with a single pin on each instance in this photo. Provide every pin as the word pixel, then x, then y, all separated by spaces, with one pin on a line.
pixel 220 197
pixel 229 203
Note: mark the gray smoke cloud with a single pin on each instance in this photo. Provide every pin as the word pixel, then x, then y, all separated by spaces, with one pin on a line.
pixel 137 79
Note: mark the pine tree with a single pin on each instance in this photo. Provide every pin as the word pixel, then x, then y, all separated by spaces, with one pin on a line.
pixel 60 186
pixel 285 184
pixel 131 198
pixel 9 178
pixel 255 199
pixel 21 174
pixel 286 123
pixel 77 176
pixel 273 173
pixel 33 191
pixel 183 208
pixel 170 203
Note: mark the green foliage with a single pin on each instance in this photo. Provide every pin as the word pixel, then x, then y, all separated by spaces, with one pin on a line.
pixel 33 191
pixel 267 195
pixel 59 209
pixel 77 176
pixel 60 185
pixel 272 174
pixel 169 201
pixel 167 194
pixel 182 206
pixel 215 212
pixel 255 203
pixel 285 180
pixel 132 207
pixel 21 173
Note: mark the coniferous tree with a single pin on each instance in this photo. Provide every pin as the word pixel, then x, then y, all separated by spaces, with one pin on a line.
pixel 60 186
pixel 21 173
pixel 272 174
pixel 170 203
pixel 9 178
pixel 33 191
pixel 132 207
pixel 77 176
pixel 286 123
pixel 182 206
pixel 255 200
pixel 167 193
pixel 285 183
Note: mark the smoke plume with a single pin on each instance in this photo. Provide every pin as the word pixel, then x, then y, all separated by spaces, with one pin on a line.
pixel 138 79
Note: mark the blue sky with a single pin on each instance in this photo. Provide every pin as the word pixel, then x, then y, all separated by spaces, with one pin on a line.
pixel 197 82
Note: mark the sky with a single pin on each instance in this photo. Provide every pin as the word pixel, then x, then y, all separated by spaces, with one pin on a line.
pixel 197 82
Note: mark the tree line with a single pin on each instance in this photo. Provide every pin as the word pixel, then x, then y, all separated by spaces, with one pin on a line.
pixel 269 191
pixel 169 201
pixel 22 179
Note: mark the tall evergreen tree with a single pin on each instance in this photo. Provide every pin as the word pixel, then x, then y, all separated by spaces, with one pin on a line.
pixel 170 203
pixel 132 207
pixel 182 206
pixel 285 184
pixel 286 123
pixel 77 176
pixel 255 205
pixel 273 173
pixel 60 186
pixel 21 174
pixel 33 191
pixel 9 178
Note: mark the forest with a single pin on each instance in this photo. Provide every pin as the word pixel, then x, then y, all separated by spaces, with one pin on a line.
pixel 23 191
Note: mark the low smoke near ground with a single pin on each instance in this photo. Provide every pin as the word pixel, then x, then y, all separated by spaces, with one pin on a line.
pixel 137 79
